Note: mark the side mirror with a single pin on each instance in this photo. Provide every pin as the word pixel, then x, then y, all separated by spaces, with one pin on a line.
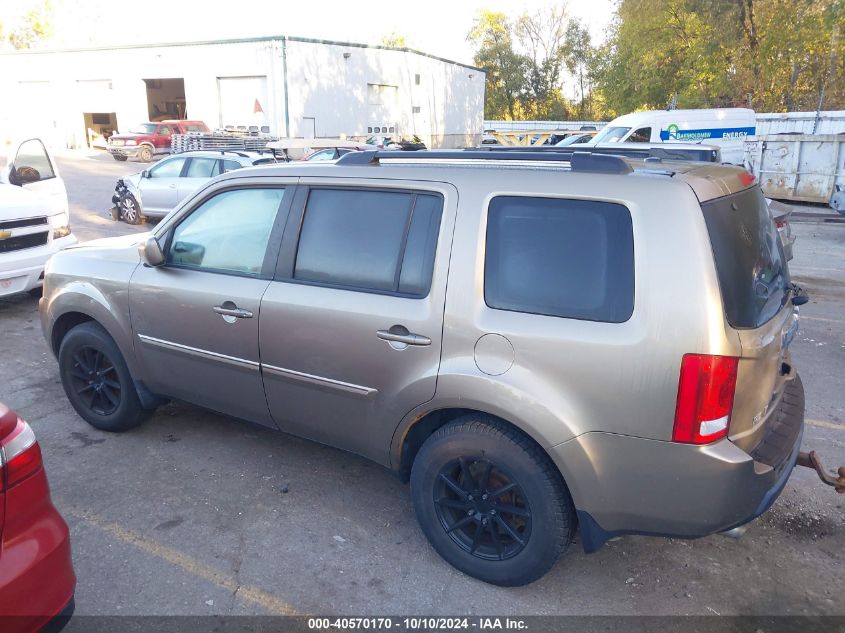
pixel 151 253
pixel 12 175
pixel 145 173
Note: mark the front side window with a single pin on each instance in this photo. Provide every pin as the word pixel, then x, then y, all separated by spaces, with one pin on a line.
pixel 369 240
pixel 171 168
pixel 557 257
pixel 164 130
pixel 642 135
pixel 32 162
pixel 228 232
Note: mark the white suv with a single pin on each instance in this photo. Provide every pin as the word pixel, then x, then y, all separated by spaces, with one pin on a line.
pixel 34 219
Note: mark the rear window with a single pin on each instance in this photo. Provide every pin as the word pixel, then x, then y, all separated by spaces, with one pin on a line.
pixel 749 257
pixel 564 258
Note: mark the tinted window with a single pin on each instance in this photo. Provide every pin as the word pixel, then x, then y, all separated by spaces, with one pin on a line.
pixel 32 162
pixel 201 168
pixel 170 168
pixel 565 258
pixel 372 240
pixel 228 232
pixel 749 257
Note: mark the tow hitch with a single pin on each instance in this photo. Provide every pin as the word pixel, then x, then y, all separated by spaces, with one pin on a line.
pixel 811 460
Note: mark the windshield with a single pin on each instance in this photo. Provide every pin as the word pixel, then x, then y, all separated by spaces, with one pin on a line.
pixel 611 134
pixel 749 257
pixel 144 128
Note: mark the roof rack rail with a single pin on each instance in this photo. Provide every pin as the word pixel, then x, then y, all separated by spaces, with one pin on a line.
pixel 578 161
pixel 703 153
pixel 235 152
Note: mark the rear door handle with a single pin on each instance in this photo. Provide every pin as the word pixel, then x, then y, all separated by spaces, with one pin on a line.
pixel 407 339
pixel 238 313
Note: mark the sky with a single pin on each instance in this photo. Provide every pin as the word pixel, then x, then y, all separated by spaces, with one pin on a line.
pixel 438 27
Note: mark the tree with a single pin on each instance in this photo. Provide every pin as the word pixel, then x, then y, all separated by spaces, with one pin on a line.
pixel 774 54
pixel 33 27
pixel 504 67
pixel 543 34
pixel 579 56
pixel 394 40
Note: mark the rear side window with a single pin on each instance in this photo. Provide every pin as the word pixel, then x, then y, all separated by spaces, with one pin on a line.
pixel 749 257
pixel 563 258
pixel 201 168
pixel 369 240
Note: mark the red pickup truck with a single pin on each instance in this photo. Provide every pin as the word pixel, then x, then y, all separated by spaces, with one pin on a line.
pixel 149 139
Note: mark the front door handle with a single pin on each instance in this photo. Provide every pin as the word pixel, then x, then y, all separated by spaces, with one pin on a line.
pixel 406 338
pixel 172 186
pixel 238 313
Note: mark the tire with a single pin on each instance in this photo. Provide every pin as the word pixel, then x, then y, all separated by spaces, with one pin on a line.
pixel 119 158
pixel 145 154
pixel 114 406
pixel 130 210
pixel 507 538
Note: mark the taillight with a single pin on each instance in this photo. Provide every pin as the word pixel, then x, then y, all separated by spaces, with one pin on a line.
pixel 20 456
pixel 705 398
pixel 746 178
pixel 780 224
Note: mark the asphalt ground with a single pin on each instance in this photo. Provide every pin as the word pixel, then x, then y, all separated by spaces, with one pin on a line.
pixel 198 514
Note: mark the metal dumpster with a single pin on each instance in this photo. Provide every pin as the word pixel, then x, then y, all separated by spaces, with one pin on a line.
pixel 800 167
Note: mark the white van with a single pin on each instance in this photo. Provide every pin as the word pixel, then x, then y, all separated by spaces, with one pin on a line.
pixel 726 128
pixel 34 219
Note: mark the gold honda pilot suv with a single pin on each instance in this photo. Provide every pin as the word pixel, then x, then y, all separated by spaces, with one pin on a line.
pixel 540 343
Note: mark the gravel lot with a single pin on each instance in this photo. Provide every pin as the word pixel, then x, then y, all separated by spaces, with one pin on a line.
pixel 195 513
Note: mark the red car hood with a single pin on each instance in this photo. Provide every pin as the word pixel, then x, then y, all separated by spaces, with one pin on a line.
pixel 126 137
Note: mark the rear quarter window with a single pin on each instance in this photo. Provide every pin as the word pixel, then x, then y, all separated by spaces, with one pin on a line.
pixel 557 257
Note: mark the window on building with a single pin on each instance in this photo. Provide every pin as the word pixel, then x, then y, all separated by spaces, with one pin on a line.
pixel 415 109
pixel 557 257
pixel 417 79
pixel 382 94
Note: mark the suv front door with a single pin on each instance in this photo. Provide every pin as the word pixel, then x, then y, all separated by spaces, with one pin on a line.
pixel 195 318
pixel 350 329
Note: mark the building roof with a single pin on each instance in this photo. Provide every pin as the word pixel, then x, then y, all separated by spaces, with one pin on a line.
pixel 242 40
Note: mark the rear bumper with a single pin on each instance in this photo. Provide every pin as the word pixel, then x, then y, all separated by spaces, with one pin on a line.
pixel 627 485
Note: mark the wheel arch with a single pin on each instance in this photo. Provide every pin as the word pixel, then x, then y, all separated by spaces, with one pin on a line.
pixel 419 426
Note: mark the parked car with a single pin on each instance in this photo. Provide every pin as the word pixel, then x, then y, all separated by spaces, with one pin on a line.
pixel 154 192
pixel 333 153
pixel 575 139
pixel 600 343
pixel 150 139
pixel 34 218
pixel 781 215
pixel 36 573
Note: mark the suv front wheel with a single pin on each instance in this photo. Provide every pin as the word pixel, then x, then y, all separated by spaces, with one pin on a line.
pixel 491 502
pixel 97 381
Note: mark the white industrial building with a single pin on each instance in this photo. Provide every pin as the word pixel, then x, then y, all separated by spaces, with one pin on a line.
pixel 295 86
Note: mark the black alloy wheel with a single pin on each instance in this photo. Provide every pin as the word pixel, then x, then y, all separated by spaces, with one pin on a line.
pixel 482 509
pixel 95 380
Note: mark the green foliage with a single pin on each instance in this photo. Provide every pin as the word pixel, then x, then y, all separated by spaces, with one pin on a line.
pixel 34 26
pixel 772 54
pixel 394 40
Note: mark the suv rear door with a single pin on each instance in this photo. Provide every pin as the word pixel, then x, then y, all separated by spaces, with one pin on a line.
pixel 351 327
pixel 755 287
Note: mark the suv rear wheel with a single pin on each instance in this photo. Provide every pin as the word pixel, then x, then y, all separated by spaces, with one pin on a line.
pixel 491 502
pixel 97 381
